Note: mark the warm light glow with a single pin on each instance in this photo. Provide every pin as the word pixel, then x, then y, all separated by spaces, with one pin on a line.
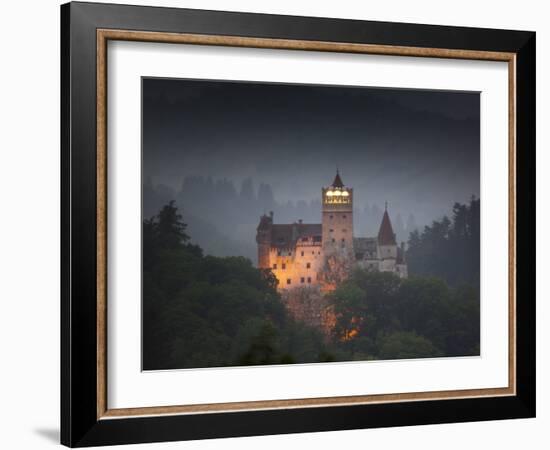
pixel 330 194
pixel 345 193
pixel 337 193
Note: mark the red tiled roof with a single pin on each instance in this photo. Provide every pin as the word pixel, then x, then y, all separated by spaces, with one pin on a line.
pixel 386 235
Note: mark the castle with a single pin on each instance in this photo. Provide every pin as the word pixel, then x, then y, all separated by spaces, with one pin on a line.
pixel 321 255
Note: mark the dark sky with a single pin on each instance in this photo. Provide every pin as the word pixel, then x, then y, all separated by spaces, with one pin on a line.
pixel 416 149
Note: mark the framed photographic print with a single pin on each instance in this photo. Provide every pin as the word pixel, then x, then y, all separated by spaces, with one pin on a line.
pixel 277 224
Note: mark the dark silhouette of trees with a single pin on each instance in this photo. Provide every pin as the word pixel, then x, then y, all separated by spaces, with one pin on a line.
pixel 449 248
pixel 380 316
pixel 406 345
pixel 203 311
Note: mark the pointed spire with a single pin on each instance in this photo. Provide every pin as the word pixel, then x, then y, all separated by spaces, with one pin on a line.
pixel 337 180
pixel 386 236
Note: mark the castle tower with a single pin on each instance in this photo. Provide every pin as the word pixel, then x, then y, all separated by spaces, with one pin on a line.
pixel 387 245
pixel 263 238
pixel 337 219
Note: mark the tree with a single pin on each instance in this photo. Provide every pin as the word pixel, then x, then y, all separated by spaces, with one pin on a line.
pixel 380 316
pixel 170 230
pixel 350 310
pixel 449 249
pixel 423 307
pixel 464 321
pixel 265 197
pixel 364 308
pixel 206 311
pixel 247 190
pixel 406 345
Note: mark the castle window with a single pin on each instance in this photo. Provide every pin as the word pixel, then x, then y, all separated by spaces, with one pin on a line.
pixel 308 265
pixel 344 230
pixel 331 230
pixel 302 253
pixel 289 253
pixel 278 252
pixel 330 216
pixel 313 253
pixel 302 280
pixel 288 281
pixel 344 216
pixel 333 240
pixel 284 266
pixel 343 239
pixel 309 279
pixel 275 266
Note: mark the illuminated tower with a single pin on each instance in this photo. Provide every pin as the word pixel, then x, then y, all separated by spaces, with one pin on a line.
pixel 337 226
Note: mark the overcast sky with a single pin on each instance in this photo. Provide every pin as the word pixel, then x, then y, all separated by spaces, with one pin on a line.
pixel 416 149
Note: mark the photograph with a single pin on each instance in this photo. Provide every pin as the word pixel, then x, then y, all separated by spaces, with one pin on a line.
pixel 270 225
pixel 300 223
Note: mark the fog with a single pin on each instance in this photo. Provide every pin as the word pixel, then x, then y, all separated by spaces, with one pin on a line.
pixel 230 151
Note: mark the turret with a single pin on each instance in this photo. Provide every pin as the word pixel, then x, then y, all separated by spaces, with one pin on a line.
pixel 263 238
pixel 387 245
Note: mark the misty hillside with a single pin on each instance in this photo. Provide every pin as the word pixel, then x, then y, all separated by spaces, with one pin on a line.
pixel 222 218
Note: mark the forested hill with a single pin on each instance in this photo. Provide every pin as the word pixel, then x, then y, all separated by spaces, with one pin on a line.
pixel 206 311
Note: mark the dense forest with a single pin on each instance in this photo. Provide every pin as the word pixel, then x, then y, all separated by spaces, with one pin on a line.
pixel 206 311
pixel 449 248
pixel 380 316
